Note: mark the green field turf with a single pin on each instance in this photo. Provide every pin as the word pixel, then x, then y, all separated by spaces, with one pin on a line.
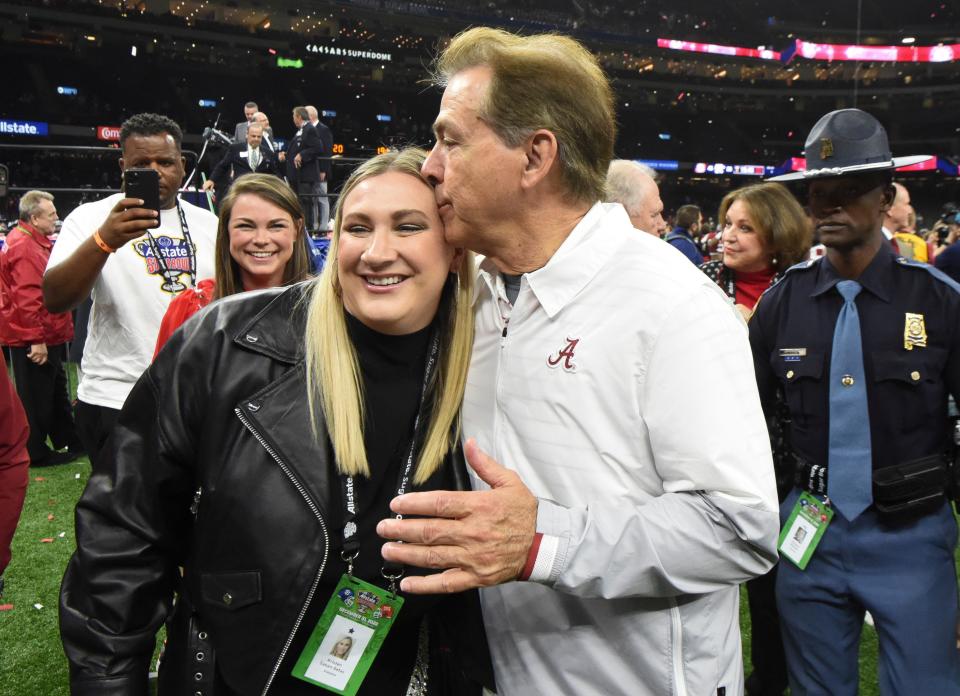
pixel 31 658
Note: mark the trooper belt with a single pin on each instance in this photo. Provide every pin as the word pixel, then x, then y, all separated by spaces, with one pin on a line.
pixel 915 486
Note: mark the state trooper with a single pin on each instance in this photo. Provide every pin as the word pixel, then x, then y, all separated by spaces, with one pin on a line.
pixel 864 346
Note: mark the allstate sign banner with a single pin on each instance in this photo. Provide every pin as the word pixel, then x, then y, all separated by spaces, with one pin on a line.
pixel 10 127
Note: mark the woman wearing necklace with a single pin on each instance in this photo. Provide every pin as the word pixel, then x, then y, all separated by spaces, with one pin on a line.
pixel 258 453
pixel 765 231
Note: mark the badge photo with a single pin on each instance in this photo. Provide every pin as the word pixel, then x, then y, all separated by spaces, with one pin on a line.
pixel 339 653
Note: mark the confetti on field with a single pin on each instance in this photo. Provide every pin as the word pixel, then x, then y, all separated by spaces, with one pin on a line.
pixel 50 516
pixel 6 607
pixel 46 541
pixel 62 534
pixel 77 477
pixel 38 606
pixel 39 478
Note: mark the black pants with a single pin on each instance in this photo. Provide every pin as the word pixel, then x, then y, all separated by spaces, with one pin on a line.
pixel 94 425
pixel 309 191
pixel 43 391
pixel 769 675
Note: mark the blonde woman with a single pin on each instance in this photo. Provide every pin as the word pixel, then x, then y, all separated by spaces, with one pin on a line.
pixel 342 648
pixel 237 454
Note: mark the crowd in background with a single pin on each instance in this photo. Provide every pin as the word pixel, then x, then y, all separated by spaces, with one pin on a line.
pixel 233 324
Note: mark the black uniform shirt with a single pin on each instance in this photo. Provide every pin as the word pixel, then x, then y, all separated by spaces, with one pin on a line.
pixel 791 335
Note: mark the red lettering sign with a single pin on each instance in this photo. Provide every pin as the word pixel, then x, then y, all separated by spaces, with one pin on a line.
pixel 108 132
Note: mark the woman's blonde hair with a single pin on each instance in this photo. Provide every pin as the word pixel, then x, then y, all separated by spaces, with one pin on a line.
pixel 786 231
pixel 544 81
pixel 333 370
pixel 273 190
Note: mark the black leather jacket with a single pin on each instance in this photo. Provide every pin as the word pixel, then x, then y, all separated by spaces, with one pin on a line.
pixel 213 468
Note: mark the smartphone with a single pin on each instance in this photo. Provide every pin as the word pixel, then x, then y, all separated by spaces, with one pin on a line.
pixel 143 184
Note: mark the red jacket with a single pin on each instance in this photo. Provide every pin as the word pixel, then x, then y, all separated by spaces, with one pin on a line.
pixel 182 307
pixel 14 462
pixel 24 320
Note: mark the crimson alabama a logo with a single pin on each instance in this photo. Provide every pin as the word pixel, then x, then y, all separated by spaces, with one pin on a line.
pixel 564 358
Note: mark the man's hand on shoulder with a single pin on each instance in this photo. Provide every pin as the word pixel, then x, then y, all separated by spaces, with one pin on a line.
pixel 479 538
pixel 126 222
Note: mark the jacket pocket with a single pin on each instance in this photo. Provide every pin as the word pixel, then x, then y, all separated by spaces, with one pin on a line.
pixel 919 366
pixel 802 383
pixel 230 591
pixel 911 379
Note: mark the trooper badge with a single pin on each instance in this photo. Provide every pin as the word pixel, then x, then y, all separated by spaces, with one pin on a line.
pixel 826 148
pixel 914 331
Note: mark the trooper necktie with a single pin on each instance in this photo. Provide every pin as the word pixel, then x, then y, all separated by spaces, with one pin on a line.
pixel 850 463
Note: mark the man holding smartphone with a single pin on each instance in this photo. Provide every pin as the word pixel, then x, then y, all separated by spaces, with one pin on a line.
pixel 133 260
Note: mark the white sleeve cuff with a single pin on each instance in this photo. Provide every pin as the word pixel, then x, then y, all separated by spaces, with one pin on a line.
pixel 554 524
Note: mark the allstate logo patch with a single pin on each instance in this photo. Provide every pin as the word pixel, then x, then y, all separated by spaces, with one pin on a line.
pixel 175 254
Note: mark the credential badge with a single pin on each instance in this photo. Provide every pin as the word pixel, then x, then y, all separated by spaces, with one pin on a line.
pixel 914 331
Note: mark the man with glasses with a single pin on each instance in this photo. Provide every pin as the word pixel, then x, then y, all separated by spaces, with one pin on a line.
pixel 864 347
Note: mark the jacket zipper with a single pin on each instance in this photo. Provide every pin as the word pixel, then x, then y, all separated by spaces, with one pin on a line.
pixel 679 680
pixel 326 549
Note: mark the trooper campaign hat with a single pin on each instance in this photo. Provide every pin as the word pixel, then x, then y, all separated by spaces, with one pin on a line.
pixel 847 141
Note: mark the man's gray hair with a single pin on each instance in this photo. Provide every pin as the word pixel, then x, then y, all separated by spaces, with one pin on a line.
pixel 622 185
pixel 30 203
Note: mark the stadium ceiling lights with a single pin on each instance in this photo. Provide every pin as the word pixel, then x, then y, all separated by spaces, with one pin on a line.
pixel 827 52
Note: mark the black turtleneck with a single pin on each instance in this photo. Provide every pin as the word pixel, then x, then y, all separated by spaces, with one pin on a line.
pixel 391 370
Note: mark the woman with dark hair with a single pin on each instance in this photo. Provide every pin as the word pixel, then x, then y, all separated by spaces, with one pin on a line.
pixel 261 243
pixel 764 232
pixel 255 457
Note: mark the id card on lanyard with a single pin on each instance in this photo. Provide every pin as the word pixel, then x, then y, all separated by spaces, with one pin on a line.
pixel 348 636
pixel 359 615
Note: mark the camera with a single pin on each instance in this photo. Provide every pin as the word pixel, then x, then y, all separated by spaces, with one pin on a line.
pixel 949 215
pixel 212 135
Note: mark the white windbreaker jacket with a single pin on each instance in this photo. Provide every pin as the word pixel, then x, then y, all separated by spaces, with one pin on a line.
pixel 623 393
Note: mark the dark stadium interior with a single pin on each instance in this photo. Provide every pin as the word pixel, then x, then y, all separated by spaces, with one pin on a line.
pixel 673 105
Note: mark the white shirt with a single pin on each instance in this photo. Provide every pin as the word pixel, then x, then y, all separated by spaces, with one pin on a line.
pixel 599 397
pixel 128 299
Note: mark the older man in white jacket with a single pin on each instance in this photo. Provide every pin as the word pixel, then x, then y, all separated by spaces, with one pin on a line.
pixel 637 487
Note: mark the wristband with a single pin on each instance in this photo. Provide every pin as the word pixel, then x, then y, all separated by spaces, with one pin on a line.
pixel 106 248
pixel 531 558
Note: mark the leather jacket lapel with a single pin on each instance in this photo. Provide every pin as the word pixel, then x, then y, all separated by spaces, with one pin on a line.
pixel 279 416
pixel 277 330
